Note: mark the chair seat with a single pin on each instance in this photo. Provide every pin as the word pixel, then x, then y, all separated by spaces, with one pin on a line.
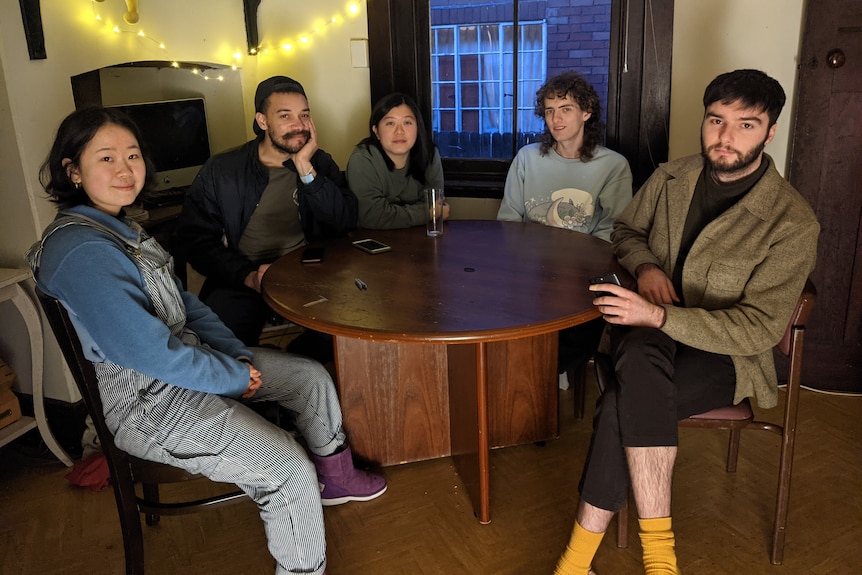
pixel 739 412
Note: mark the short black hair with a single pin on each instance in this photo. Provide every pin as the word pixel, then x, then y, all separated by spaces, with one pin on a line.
pixel 73 135
pixel 422 152
pixel 751 87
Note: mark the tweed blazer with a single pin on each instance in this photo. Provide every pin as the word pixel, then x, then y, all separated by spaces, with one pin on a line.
pixel 743 275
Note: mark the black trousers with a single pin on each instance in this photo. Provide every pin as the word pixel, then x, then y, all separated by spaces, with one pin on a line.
pixel 243 311
pixel 658 383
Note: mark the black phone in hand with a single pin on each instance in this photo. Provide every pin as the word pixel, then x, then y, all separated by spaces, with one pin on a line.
pixel 610 278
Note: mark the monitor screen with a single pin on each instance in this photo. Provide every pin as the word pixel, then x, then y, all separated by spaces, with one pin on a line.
pixel 176 136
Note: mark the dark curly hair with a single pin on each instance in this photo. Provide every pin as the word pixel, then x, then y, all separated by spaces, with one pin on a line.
pixel 578 89
pixel 73 135
pixel 422 152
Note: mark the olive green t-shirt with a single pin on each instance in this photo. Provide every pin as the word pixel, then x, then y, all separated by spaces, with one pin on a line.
pixel 274 228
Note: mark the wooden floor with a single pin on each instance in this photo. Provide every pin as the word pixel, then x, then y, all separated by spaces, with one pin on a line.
pixel 424 524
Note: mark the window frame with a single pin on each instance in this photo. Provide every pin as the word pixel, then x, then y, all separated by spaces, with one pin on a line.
pixel 638 110
pixel 506 121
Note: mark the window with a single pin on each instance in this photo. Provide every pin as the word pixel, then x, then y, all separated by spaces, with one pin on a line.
pixel 482 49
pixel 472 78
pixel 622 47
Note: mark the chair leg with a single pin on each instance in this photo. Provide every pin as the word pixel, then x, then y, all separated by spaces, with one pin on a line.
pixel 578 384
pixel 151 493
pixel 623 527
pixel 130 523
pixel 785 467
pixel 733 449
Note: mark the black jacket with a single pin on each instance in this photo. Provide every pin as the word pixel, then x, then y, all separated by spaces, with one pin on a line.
pixel 225 193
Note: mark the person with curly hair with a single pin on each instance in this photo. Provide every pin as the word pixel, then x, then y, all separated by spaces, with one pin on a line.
pixel 569 180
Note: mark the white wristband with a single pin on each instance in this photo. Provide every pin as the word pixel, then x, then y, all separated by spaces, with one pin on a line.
pixel 307 178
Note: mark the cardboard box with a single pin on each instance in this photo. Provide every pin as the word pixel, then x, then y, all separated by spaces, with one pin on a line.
pixel 10 409
pixel 7 376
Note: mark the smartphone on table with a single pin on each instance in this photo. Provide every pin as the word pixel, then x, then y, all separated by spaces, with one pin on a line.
pixel 312 255
pixel 371 246
pixel 610 278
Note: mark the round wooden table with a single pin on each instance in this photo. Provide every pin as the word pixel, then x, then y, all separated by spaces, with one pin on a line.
pixel 486 299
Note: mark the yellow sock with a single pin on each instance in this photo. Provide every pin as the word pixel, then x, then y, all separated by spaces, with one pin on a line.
pixel 658 545
pixel 579 552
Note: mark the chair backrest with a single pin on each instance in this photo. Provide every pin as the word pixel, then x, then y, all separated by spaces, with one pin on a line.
pixel 119 463
pixel 799 317
pixel 85 378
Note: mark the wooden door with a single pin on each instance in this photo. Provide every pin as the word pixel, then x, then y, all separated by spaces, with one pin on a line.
pixel 826 167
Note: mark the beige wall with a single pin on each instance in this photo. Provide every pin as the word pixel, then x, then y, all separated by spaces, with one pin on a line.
pixel 715 36
pixel 710 36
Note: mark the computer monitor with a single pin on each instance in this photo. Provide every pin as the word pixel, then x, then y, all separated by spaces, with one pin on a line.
pixel 176 135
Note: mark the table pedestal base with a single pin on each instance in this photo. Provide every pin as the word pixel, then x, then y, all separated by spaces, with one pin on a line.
pixel 406 402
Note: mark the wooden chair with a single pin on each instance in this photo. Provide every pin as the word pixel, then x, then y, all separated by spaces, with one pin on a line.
pixel 125 469
pixel 735 418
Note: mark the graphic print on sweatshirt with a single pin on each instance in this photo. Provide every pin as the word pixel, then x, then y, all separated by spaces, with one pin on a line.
pixel 568 208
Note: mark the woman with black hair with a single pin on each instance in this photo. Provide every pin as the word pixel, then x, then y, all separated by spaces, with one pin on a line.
pixel 389 169
pixel 175 382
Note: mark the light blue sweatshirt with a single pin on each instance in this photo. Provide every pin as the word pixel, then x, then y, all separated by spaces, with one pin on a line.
pixel 555 191
pixel 91 272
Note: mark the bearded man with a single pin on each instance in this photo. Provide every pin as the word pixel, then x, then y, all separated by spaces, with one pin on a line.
pixel 721 246
pixel 250 205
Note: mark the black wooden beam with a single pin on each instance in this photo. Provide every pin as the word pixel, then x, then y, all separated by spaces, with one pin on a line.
pixel 250 8
pixel 31 15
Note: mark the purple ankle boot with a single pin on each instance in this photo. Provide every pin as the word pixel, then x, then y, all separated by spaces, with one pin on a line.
pixel 341 482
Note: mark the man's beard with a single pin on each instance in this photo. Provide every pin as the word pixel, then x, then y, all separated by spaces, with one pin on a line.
pixel 284 147
pixel 742 162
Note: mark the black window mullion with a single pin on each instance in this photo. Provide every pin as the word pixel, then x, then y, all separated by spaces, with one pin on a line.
pixel 516 46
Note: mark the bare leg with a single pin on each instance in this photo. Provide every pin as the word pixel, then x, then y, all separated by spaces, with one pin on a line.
pixel 594 519
pixel 651 470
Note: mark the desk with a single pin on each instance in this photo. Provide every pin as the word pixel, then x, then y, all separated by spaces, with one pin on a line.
pixel 452 348
pixel 11 290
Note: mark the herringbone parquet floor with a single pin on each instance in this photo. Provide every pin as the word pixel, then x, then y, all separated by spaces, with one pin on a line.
pixel 424 524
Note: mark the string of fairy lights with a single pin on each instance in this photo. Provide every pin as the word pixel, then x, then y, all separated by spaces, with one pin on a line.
pixel 287 46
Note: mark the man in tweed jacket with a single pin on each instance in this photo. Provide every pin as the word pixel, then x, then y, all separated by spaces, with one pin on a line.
pixel 721 246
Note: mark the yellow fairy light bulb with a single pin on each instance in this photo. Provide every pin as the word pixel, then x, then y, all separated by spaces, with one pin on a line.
pixel 175 64
pixel 116 29
pixel 303 39
pixel 354 9
pixel 287 47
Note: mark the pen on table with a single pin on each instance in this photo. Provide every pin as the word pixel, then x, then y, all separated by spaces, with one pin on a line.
pixel 360 284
